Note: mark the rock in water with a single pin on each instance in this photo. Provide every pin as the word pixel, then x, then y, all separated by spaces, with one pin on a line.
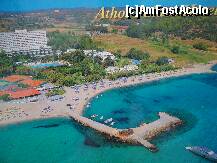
pixel 91 143
pixel 47 126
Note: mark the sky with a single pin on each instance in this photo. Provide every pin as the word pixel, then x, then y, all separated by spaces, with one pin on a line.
pixel 29 5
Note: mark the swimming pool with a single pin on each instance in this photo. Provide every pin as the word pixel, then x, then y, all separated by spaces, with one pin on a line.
pixel 46 65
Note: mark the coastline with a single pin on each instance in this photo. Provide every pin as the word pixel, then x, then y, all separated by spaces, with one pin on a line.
pixel 33 111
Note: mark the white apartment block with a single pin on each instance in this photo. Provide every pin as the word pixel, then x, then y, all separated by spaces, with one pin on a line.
pixel 94 53
pixel 23 41
pixel 115 69
pixel 102 54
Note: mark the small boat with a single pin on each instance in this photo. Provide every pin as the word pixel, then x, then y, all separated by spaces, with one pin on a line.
pixel 94 116
pixel 112 123
pixel 203 152
pixel 108 120
pixel 101 117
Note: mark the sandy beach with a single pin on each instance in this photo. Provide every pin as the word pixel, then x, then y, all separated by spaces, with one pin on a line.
pixel 76 99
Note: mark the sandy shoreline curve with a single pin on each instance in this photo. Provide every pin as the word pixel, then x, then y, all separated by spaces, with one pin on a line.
pixel 20 112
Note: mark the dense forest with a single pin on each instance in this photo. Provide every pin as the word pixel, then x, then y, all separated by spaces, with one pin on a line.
pixel 184 27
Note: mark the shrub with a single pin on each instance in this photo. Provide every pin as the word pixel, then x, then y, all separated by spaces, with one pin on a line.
pixel 5 97
pixel 74 57
pixel 200 46
pixel 152 68
pixel 162 61
pixel 55 92
pixel 121 74
pixel 137 54
pixel 175 49
pixel 108 62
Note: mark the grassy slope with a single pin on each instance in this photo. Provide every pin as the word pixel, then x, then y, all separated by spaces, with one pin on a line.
pixel 114 42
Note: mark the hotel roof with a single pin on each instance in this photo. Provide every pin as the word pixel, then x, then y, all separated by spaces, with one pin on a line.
pixel 16 92
pixel 2 93
pixel 23 93
pixel 32 83
pixel 16 78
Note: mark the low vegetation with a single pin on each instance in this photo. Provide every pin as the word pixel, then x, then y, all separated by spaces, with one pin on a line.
pixel 152 68
pixel 55 92
pixel 184 27
pixel 117 75
pixel 122 61
pixel 137 54
pixel 5 97
pixel 175 49
pixel 181 51
pixel 200 46
pixel 162 61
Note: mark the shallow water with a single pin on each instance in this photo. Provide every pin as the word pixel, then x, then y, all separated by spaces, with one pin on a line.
pixel 192 98
pixel 214 68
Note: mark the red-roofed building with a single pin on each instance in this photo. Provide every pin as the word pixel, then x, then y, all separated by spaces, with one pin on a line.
pixel 2 93
pixel 23 93
pixel 16 78
pixel 32 83
pixel 12 87
pixel 120 29
pixel 16 92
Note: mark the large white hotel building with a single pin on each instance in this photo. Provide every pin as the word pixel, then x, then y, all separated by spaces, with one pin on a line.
pixel 25 42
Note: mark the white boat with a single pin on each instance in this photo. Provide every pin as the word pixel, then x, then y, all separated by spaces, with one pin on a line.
pixel 94 116
pixel 112 123
pixel 108 120
pixel 203 152
pixel 101 117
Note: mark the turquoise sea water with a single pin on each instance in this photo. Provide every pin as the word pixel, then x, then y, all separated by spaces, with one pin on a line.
pixel 214 68
pixel 192 98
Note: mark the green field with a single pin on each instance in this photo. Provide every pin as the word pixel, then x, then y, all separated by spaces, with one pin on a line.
pixel 187 55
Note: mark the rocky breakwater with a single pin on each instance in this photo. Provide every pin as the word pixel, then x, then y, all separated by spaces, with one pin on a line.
pixel 165 123
pixel 137 136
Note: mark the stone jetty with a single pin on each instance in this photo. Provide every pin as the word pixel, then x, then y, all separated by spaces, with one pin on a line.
pixel 139 136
